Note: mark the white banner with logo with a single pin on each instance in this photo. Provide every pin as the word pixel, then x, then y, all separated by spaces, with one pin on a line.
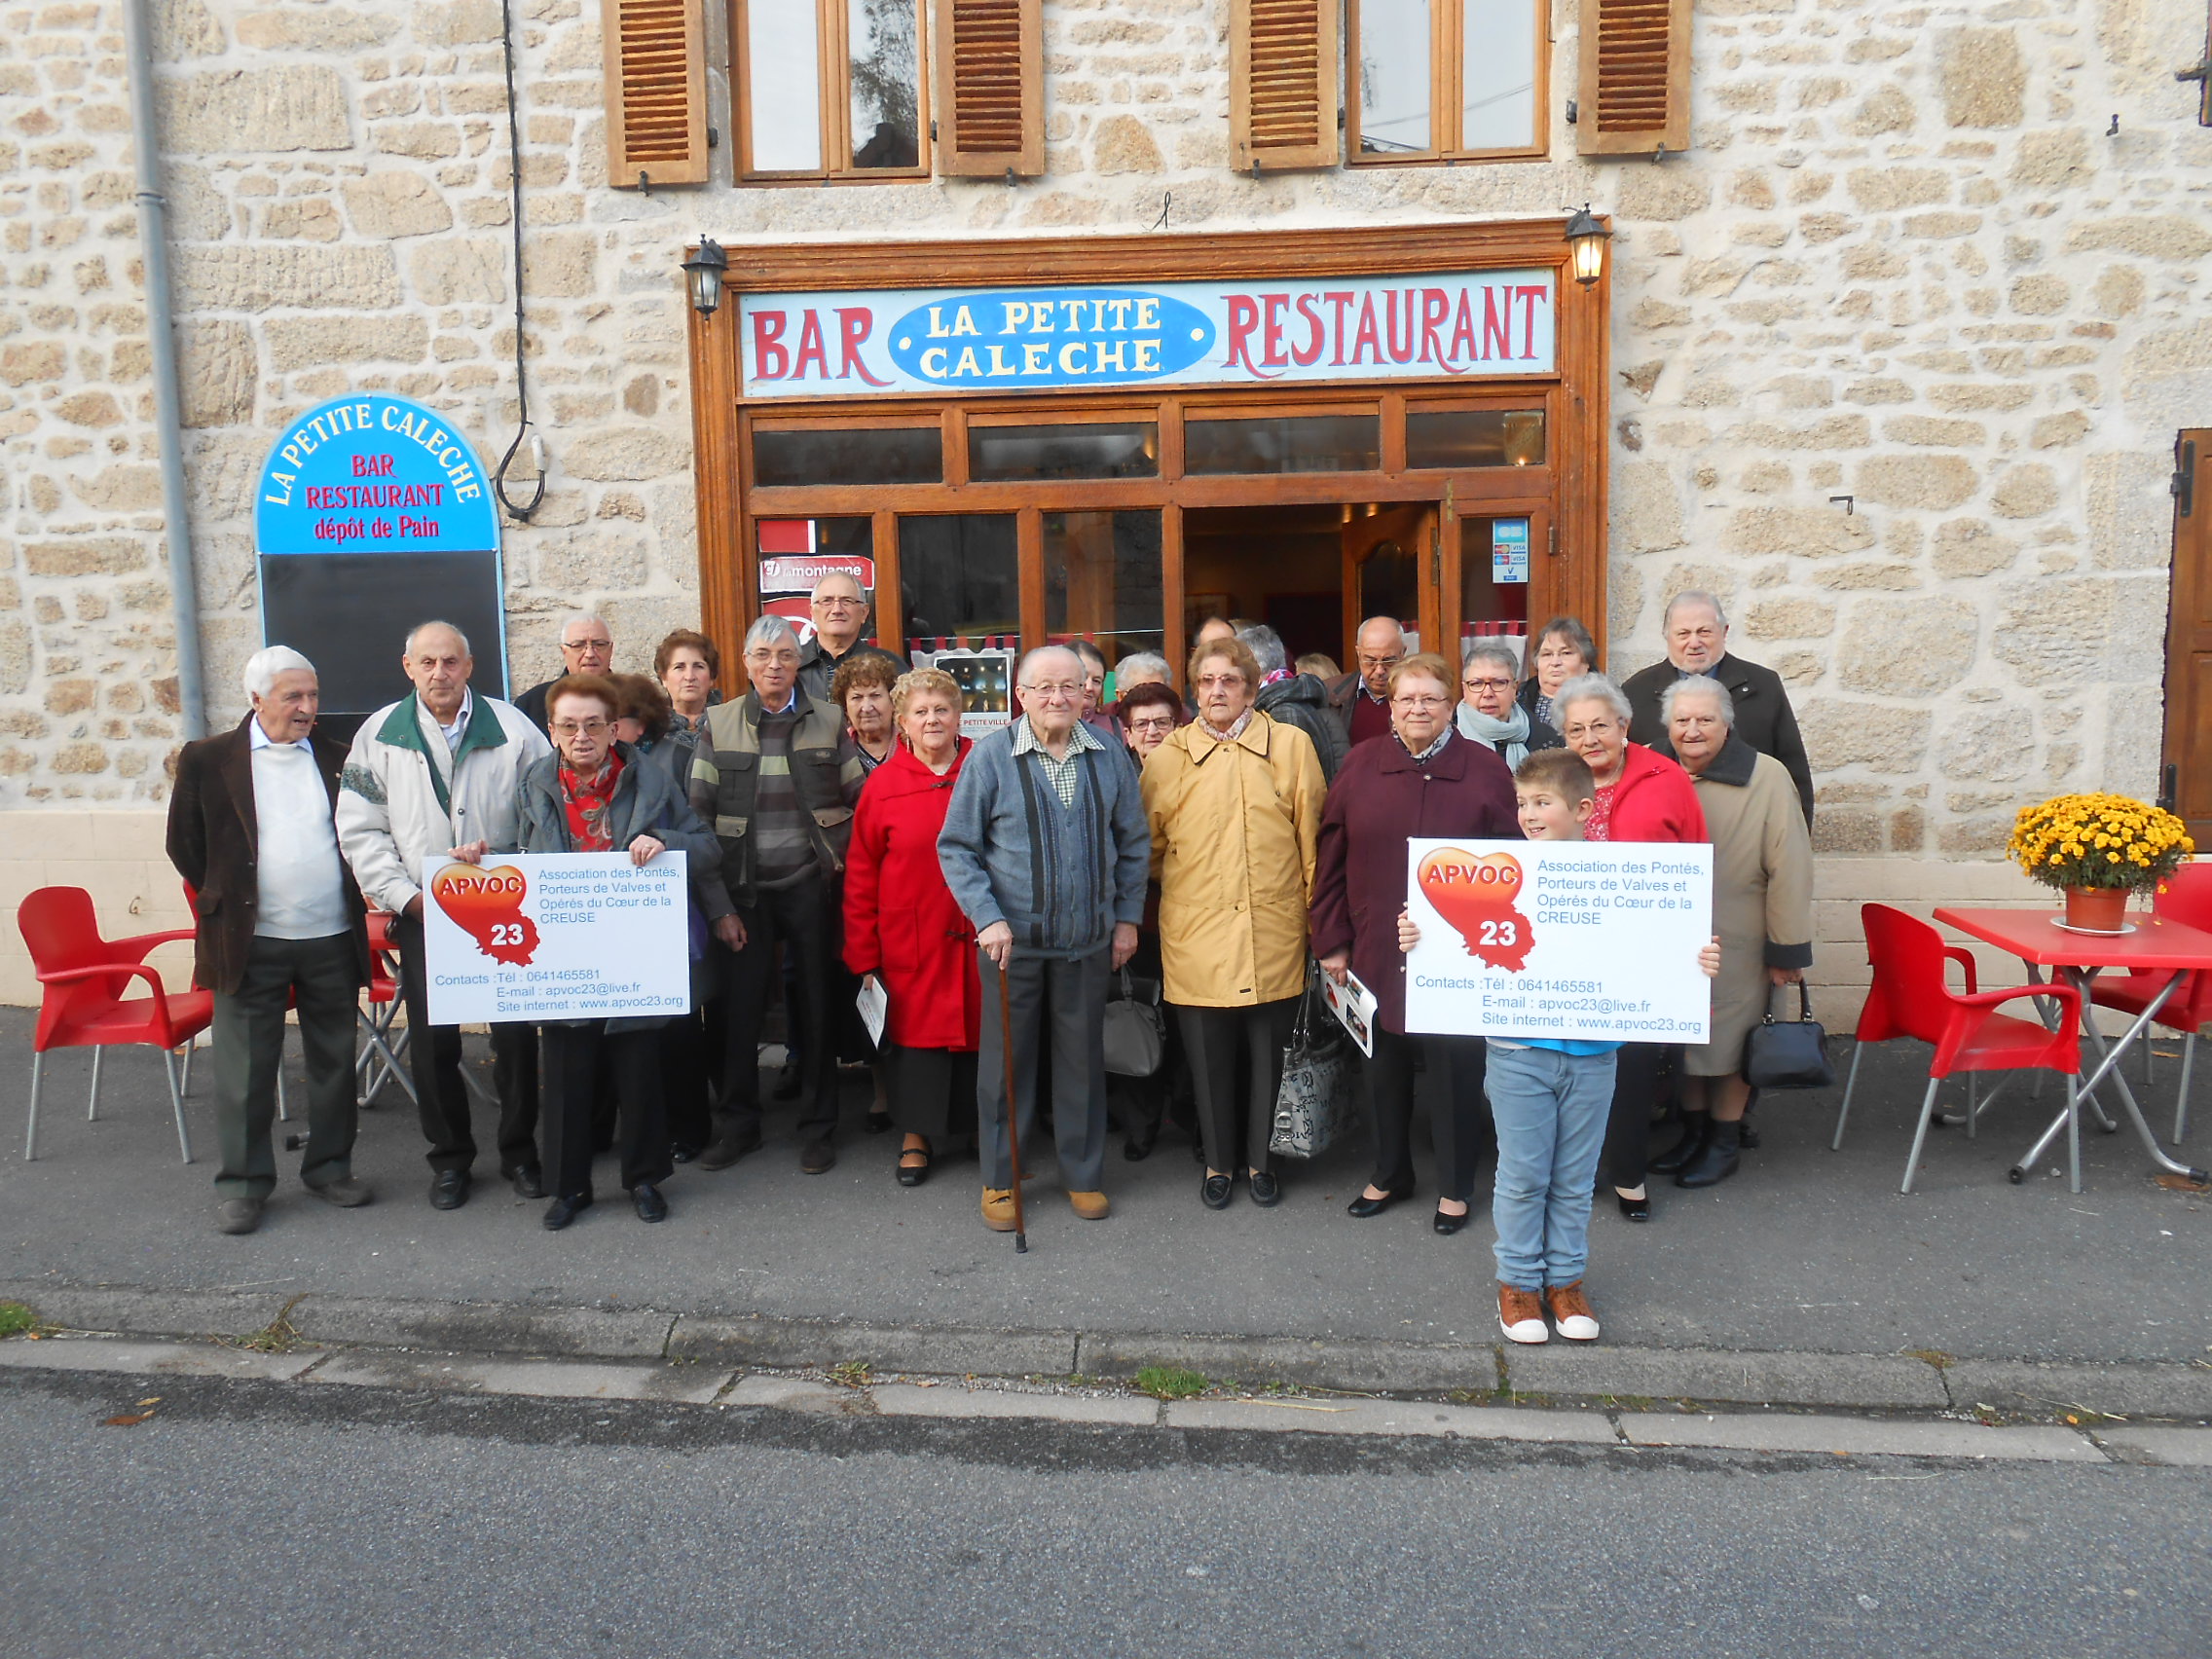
pixel 1064 339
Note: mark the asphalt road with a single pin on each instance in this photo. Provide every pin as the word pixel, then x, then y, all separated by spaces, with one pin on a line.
pixel 243 1518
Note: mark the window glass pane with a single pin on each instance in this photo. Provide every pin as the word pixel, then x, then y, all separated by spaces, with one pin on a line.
pixel 797 553
pixel 1389 586
pixel 784 100
pixel 1493 575
pixel 849 455
pixel 1394 44
pixel 886 84
pixel 1102 580
pixel 1498 80
pixel 1475 437
pixel 1126 451
pixel 960 582
pixel 1314 443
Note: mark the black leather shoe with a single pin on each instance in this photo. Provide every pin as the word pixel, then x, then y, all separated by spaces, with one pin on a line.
pixel 561 1211
pixel 1635 1209
pixel 727 1151
pixel 915 1174
pixel 818 1156
pixel 879 1123
pixel 1364 1206
pixel 1448 1223
pixel 1266 1191
pixel 1716 1163
pixel 1138 1147
pixel 682 1152
pixel 1216 1190
pixel 1697 1129
pixel 651 1206
pixel 449 1189
pixel 528 1181
pixel 788 1082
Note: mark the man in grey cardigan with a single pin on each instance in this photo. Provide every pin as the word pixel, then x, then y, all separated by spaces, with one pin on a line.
pixel 1045 849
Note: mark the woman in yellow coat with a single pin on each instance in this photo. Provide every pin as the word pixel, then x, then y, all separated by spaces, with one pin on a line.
pixel 1234 802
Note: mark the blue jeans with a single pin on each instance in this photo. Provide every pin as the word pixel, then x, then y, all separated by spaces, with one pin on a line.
pixel 1551 1110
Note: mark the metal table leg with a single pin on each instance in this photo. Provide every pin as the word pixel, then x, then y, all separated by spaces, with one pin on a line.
pixel 2109 1064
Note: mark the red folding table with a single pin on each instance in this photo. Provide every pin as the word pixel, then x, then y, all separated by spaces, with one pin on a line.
pixel 2038 940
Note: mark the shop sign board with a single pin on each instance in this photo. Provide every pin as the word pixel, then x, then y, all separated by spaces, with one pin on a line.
pixel 985 679
pixel 1424 326
pixel 373 474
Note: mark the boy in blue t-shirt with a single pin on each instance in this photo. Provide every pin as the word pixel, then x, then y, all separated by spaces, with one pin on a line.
pixel 1550 1097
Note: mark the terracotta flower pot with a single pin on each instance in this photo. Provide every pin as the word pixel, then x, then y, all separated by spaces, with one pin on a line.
pixel 2104 908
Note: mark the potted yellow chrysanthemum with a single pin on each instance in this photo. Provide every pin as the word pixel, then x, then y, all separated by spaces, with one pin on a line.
pixel 2098 849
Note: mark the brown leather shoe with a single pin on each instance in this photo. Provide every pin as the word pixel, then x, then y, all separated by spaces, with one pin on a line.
pixel 1570 1312
pixel 1521 1315
pixel 347 1192
pixel 237 1215
pixel 1092 1206
pixel 998 1209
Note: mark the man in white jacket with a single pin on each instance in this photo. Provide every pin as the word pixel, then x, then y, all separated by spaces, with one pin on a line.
pixel 433 771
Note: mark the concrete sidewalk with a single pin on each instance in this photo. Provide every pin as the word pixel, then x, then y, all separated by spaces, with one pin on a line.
pixel 1807 1277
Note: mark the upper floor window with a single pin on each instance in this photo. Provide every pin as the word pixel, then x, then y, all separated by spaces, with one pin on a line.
pixel 1444 79
pixel 830 90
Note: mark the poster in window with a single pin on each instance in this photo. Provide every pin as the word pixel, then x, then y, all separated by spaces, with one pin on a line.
pixel 1509 550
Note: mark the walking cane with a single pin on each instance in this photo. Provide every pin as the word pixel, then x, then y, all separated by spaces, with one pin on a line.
pixel 1013 1110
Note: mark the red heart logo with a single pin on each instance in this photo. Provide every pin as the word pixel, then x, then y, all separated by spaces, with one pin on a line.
pixel 486 905
pixel 1476 897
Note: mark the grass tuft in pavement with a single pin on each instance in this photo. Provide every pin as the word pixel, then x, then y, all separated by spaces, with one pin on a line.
pixel 16 1319
pixel 278 1336
pixel 851 1373
pixel 1168 1382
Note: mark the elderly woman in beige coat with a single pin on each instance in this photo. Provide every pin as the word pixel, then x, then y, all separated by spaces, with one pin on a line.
pixel 1762 910
pixel 1234 802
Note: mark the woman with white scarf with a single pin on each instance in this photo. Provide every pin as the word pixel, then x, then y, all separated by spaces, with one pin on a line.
pixel 1489 674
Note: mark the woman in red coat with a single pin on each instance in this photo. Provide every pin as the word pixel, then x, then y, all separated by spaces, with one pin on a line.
pixel 1641 796
pixel 903 928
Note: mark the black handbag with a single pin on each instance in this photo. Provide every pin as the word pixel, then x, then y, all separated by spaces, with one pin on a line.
pixel 1135 1028
pixel 1788 1053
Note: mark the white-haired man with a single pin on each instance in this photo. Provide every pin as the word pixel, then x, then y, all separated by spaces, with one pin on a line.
pixel 1697 642
pixel 777 777
pixel 587 647
pixel 279 922
pixel 438 769
pixel 840 613
pixel 1045 847
pixel 1361 698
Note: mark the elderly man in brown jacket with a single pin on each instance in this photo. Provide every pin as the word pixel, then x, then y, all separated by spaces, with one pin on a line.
pixel 280 924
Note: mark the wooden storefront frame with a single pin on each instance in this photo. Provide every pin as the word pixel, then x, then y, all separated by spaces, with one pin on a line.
pixel 1569 490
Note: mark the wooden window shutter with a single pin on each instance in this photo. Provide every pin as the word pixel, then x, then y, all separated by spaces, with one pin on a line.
pixel 1635 92
pixel 656 92
pixel 990 105
pixel 1282 83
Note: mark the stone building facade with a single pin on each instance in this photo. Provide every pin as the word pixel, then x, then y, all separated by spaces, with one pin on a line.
pixel 1900 346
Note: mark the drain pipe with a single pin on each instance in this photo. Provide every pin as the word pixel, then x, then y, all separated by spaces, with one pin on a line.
pixel 161 337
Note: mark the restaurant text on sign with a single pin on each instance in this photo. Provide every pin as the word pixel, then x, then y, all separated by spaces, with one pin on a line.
pixel 372 473
pixel 1058 339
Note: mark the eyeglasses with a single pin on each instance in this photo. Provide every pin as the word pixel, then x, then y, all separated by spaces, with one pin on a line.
pixel 1051 693
pixel 1152 722
pixel 589 644
pixel 1219 682
pixel 837 601
pixel 579 729
pixel 1488 684
pixel 1421 704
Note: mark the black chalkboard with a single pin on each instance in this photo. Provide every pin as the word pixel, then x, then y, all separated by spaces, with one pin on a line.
pixel 350 613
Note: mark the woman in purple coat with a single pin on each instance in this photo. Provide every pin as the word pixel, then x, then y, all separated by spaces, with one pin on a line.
pixel 1423 780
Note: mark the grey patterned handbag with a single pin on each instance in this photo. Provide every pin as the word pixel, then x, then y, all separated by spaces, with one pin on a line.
pixel 1314 1102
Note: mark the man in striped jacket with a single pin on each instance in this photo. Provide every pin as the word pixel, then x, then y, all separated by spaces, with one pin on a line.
pixel 777 777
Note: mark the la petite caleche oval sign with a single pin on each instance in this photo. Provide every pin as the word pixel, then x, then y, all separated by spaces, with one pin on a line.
pixel 373 473
pixel 1049 337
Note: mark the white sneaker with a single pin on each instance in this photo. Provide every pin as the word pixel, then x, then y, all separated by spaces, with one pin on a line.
pixel 1570 1312
pixel 1521 1315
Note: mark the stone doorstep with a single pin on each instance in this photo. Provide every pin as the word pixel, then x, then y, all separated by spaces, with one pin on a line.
pixel 981 1400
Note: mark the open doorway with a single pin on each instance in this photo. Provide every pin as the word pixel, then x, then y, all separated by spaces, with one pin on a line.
pixel 1311 571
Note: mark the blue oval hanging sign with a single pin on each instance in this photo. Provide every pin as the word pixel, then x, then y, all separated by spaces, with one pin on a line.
pixel 1011 337
pixel 373 474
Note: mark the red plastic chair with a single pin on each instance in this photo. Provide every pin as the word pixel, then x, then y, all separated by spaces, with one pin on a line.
pixel 1908 998
pixel 2187 898
pixel 85 977
pixel 379 1061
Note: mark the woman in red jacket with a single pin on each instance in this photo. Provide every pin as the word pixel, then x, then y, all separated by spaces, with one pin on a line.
pixel 902 928
pixel 1641 796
